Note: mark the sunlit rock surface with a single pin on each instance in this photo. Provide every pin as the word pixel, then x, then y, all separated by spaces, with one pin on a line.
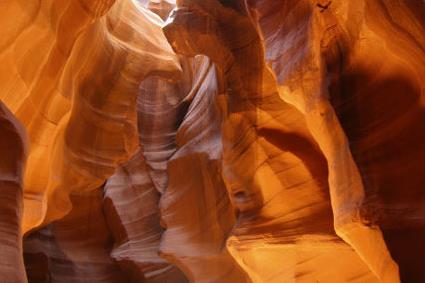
pixel 209 141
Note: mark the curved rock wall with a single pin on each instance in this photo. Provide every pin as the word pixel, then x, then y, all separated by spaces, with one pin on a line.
pixel 13 152
pixel 212 141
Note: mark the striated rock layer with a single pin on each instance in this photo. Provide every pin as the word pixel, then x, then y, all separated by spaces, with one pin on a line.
pixel 80 121
pixel 13 152
pixel 210 141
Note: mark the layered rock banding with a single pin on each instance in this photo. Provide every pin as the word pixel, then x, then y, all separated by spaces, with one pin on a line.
pixel 226 141
pixel 13 150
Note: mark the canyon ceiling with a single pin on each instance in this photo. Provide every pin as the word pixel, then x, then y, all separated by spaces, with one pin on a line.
pixel 212 141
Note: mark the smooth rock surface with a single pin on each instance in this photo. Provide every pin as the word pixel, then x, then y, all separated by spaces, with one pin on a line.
pixel 13 152
pixel 212 141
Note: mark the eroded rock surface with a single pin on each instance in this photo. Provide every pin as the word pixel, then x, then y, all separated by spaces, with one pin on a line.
pixel 13 152
pixel 210 141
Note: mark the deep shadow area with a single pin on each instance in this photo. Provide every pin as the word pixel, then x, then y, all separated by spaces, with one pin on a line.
pixel 385 124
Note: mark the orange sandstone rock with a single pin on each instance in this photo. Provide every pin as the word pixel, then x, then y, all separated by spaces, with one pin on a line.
pixel 210 141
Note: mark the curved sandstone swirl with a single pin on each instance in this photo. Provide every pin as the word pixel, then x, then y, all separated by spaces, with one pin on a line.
pixel 13 151
pixel 76 92
pixel 101 131
pixel 284 142
pixel 196 211
pixel 131 207
pixel 75 248
pixel 195 245
pixel 132 194
pixel 353 70
pixel 263 186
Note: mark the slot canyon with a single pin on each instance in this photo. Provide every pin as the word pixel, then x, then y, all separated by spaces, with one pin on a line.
pixel 212 141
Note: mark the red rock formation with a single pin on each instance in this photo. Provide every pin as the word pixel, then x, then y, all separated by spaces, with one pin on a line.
pixel 266 141
pixel 76 248
pixel 13 150
pixel 131 207
pixel 85 123
pixel 371 83
pixel 308 35
pixel 196 211
pixel 140 183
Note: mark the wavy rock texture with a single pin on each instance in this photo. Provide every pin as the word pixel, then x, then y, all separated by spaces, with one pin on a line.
pixel 196 211
pixel 131 207
pixel 268 157
pixel 305 44
pixel 76 248
pixel 212 141
pixel 13 150
pixel 85 122
pixel 353 75
pixel 140 183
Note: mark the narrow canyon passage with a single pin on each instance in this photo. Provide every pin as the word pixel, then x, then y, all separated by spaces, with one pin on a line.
pixel 212 141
